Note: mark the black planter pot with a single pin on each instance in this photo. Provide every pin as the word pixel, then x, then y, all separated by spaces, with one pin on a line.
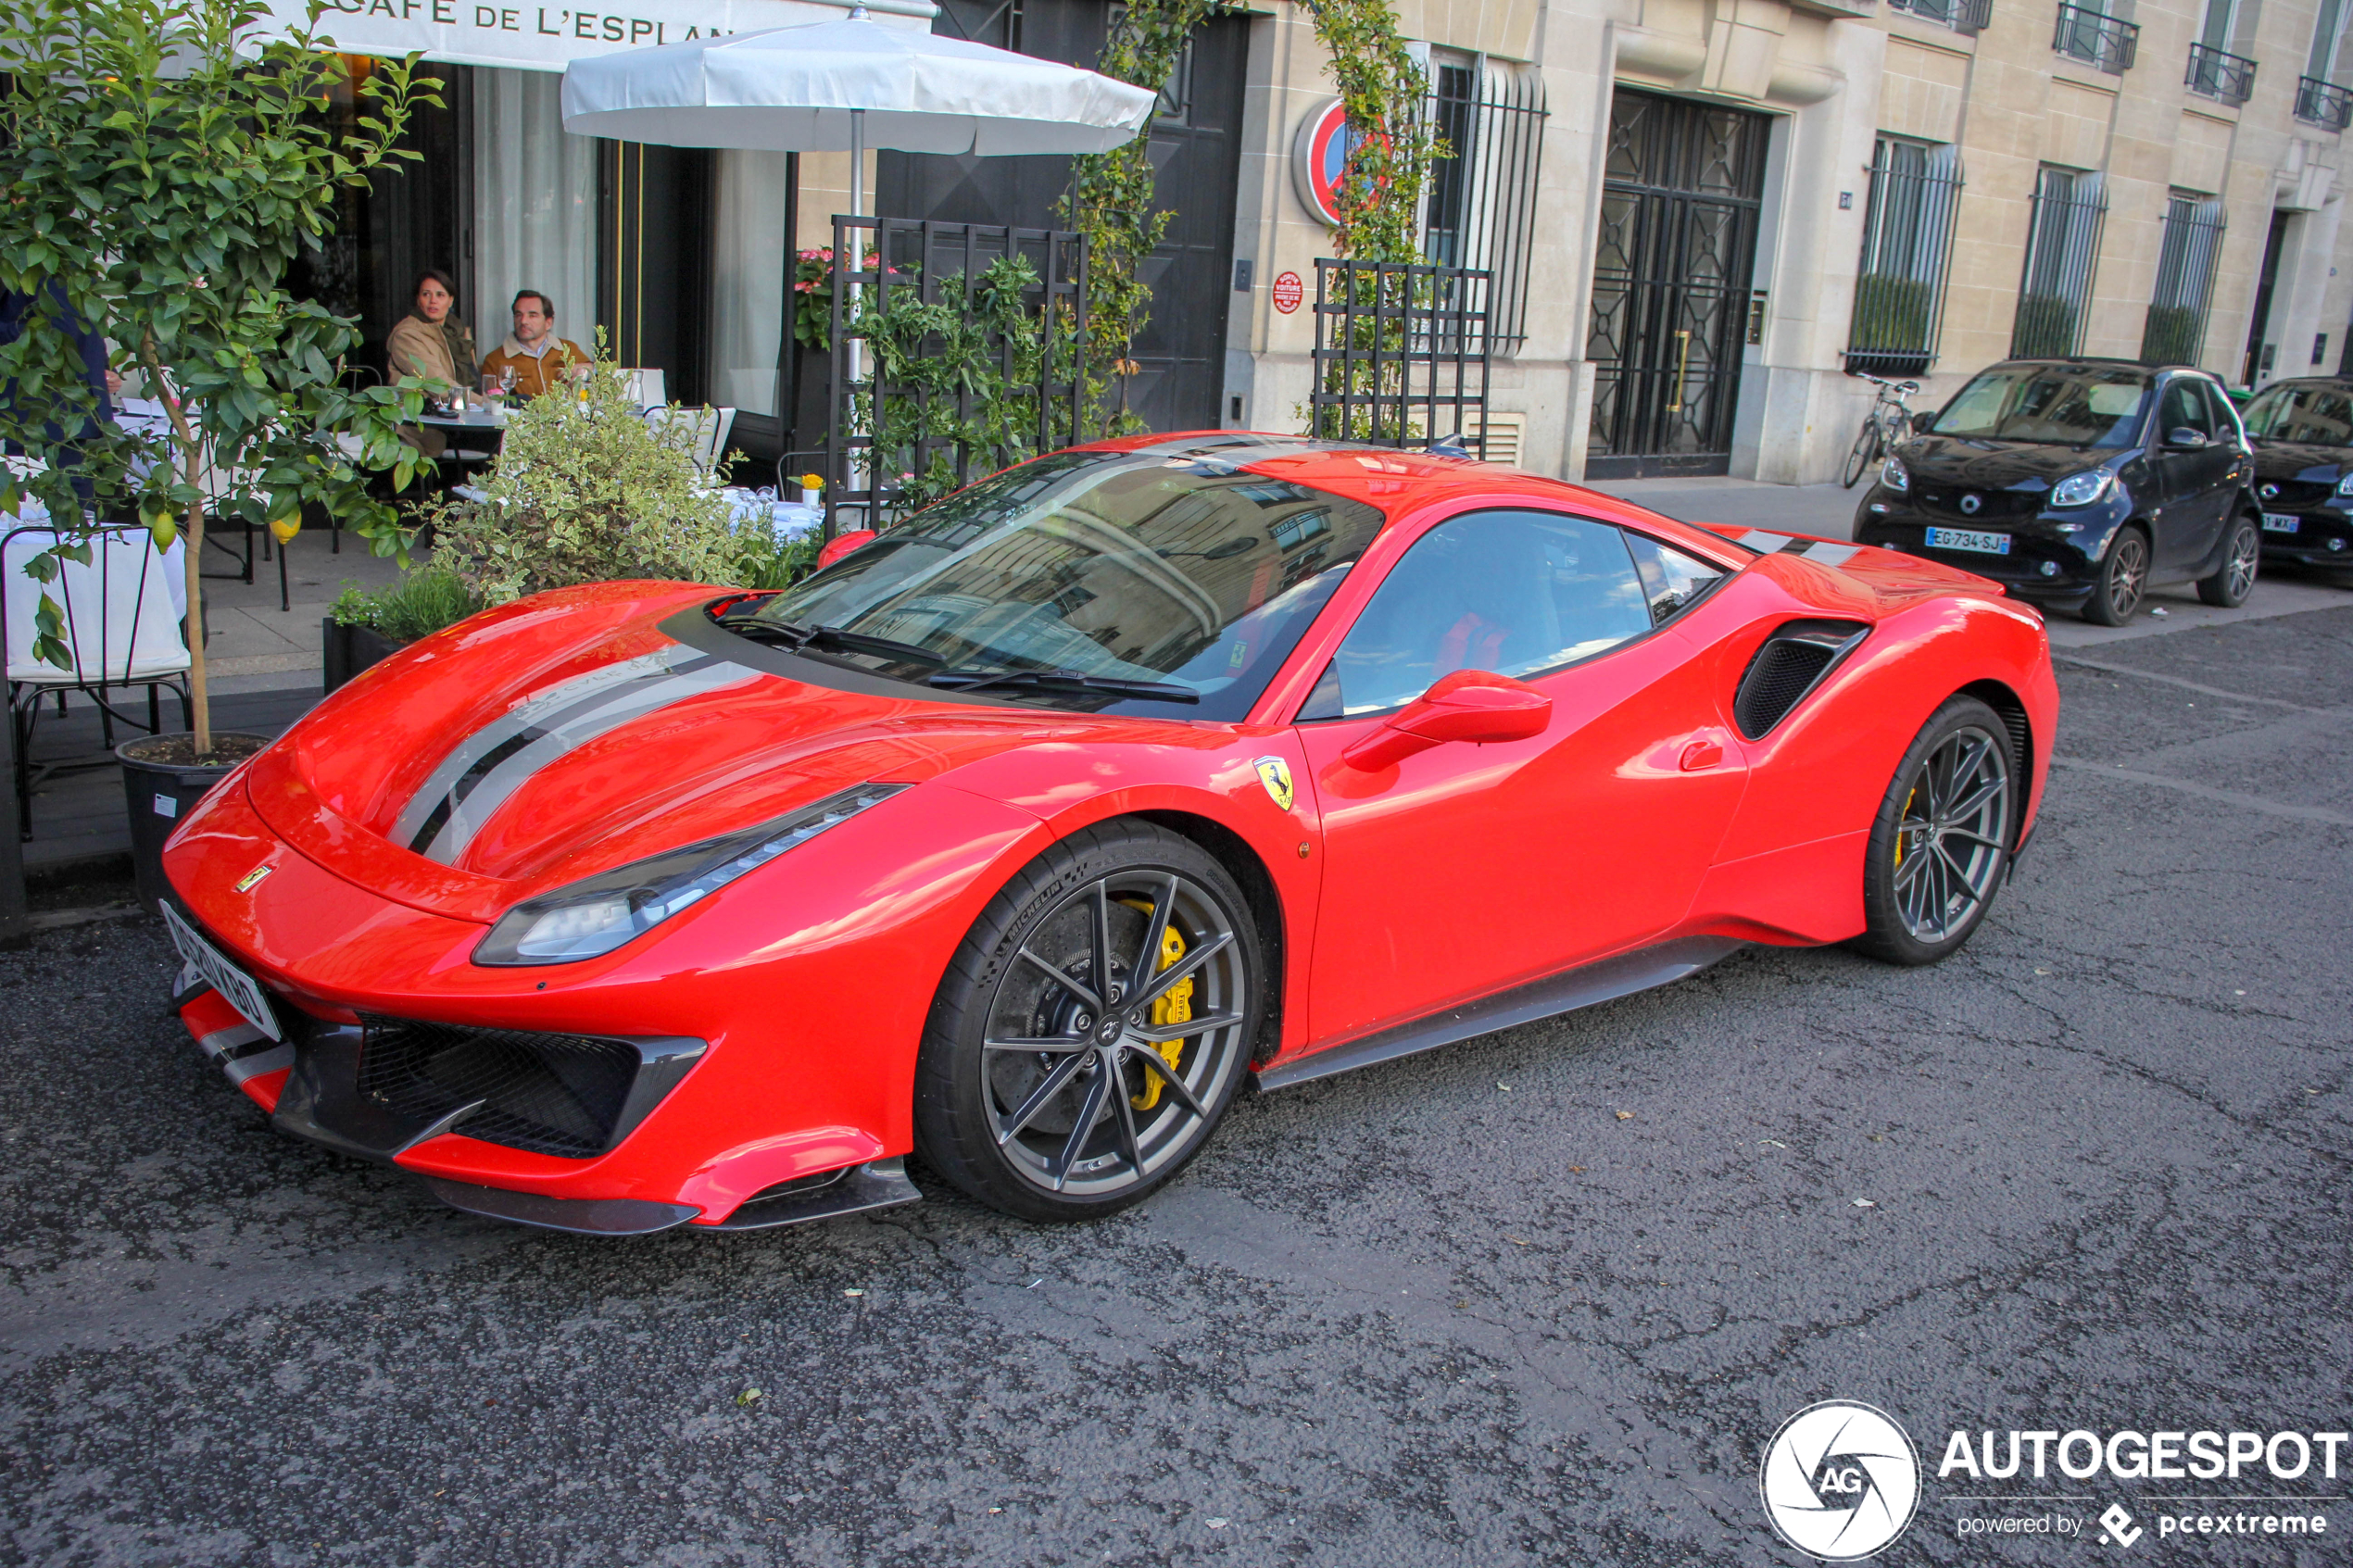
pixel 347 650
pixel 158 795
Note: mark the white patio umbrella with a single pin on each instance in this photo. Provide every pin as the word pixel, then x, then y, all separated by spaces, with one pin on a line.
pixel 849 86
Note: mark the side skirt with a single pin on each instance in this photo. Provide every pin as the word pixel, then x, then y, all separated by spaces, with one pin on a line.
pixel 1565 991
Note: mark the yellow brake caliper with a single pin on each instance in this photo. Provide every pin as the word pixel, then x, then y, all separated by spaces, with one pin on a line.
pixel 1900 817
pixel 1174 1006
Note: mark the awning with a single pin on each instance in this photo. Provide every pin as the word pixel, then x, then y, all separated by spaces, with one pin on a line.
pixel 548 37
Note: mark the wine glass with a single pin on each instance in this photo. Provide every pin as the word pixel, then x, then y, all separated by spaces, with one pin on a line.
pixel 506 382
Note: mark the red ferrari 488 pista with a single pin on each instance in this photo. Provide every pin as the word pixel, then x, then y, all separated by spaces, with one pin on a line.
pixel 1020 836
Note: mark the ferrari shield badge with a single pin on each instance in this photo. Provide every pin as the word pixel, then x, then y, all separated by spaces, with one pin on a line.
pixel 1275 773
pixel 252 879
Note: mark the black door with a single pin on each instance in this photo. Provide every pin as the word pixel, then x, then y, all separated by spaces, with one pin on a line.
pixel 2199 483
pixel 1196 154
pixel 653 274
pixel 1671 273
pixel 2258 358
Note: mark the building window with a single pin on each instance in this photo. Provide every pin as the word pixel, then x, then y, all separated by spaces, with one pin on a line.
pixel 535 206
pixel 1961 16
pixel 2088 33
pixel 2214 70
pixel 2062 247
pixel 2318 101
pixel 1480 206
pixel 2176 328
pixel 1908 246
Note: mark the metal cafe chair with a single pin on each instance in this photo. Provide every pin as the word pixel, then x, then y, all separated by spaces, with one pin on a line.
pixel 122 629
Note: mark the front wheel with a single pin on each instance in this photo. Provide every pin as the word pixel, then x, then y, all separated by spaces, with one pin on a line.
pixel 1864 454
pixel 1093 1027
pixel 2123 578
pixel 2234 578
pixel 1942 838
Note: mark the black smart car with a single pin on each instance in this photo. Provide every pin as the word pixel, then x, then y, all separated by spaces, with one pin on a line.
pixel 2303 434
pixel 2079 483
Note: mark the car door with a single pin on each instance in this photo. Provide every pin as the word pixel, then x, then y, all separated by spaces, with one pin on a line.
pixel 1465 868
pixel 2196 482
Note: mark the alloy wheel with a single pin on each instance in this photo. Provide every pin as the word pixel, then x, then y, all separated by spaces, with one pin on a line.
pixel 1119 1023
pixel 2128 575
pixel 1950 837
pixel 2246 557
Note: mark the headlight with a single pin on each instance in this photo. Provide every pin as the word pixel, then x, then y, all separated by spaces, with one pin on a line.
pixel 2081 490
pixel 1894 475
pixel 596 916
pixel 2345 485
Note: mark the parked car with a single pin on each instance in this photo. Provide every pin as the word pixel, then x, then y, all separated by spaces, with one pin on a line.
pixel 2079 484
pixel 1022 834
pixel 2303 435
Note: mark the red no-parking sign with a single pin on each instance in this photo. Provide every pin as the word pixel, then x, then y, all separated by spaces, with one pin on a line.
pixel 1319 156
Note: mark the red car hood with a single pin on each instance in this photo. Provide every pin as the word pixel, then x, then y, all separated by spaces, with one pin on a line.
pixel 565 734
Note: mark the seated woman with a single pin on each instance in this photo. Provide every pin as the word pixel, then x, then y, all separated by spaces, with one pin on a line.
pixel 431 343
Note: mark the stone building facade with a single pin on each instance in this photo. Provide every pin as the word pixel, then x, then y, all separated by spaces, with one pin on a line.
pixel 1737 200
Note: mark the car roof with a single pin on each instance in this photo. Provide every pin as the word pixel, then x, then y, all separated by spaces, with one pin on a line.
pixel 1394 481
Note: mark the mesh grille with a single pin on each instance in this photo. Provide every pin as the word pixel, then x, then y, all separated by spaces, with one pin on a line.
pixel 1783 671
pixel 550 1093
pixel 2293 492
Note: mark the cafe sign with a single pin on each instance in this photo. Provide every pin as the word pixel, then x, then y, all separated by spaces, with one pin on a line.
pixel 537 37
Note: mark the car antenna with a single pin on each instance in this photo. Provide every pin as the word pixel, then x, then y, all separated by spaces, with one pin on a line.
pixel 1449 447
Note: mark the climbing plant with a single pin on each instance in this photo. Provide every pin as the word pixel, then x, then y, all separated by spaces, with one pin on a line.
pixel 1391 141
pixel 1111 200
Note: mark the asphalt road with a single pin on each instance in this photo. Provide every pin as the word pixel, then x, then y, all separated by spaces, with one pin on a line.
pixel 1540 1297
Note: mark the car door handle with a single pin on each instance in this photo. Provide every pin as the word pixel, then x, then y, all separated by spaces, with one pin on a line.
pixel 1700 754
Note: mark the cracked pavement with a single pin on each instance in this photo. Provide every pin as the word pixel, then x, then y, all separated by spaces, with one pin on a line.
pixel 1451 1310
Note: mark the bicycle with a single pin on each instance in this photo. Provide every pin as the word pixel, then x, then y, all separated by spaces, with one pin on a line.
pixel 1888 423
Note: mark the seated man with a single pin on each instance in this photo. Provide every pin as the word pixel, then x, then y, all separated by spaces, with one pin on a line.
pixel 538 358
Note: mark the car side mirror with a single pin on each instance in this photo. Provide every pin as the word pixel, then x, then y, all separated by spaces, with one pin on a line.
pixel 1477 706
pixel 2188 440
pixel 1922 419
pixel 841 545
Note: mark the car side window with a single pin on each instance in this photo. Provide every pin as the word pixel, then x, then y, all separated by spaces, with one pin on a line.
pixel 2183 406
pixel 1670 578
pixel 2223 418
pixel 1508 591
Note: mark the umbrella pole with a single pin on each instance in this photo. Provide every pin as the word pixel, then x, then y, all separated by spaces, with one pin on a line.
pixel 864 479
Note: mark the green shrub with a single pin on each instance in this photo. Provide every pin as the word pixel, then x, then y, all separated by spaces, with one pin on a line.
pixel 585 490
pixel 1892 313
pixel 422 603
pixel 2043 328
pixel 2170 336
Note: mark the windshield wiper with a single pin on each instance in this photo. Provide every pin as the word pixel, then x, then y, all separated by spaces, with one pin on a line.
pixel 794 635
pixel 1063 681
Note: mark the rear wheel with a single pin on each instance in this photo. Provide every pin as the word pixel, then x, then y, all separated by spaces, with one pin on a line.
pixel 2124 576
pixel 2234 578
pixel 1093 1027
pixel 1863 453
pixel 1942 838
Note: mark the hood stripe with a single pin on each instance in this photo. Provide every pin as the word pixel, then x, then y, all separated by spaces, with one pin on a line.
pixel 490 765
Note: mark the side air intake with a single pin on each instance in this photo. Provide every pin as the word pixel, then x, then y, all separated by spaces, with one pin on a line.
pixel 1792 663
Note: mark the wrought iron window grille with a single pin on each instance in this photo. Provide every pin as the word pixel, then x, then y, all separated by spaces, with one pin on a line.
pixel 2062 248
pixel 1907 254
pixel 1401 353
pixel 2103 43
pixel 1481 210
pixel 879 256
pixel 1961 16
pixel 2324 103
pixel 2217 73
pixel 2176 326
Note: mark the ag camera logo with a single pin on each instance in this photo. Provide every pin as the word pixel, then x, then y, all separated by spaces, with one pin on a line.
pixel 1840 1480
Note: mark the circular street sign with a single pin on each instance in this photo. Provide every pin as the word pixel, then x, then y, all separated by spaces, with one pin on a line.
pixel 1318 155
pixel 1288 290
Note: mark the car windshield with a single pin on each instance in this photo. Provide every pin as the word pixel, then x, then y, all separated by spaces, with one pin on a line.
pixel 1078 575
pixel 2321 415
pixel 2056 404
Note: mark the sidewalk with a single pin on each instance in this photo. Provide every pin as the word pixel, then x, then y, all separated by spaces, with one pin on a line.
pixel 254 645
pixel 1825 511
